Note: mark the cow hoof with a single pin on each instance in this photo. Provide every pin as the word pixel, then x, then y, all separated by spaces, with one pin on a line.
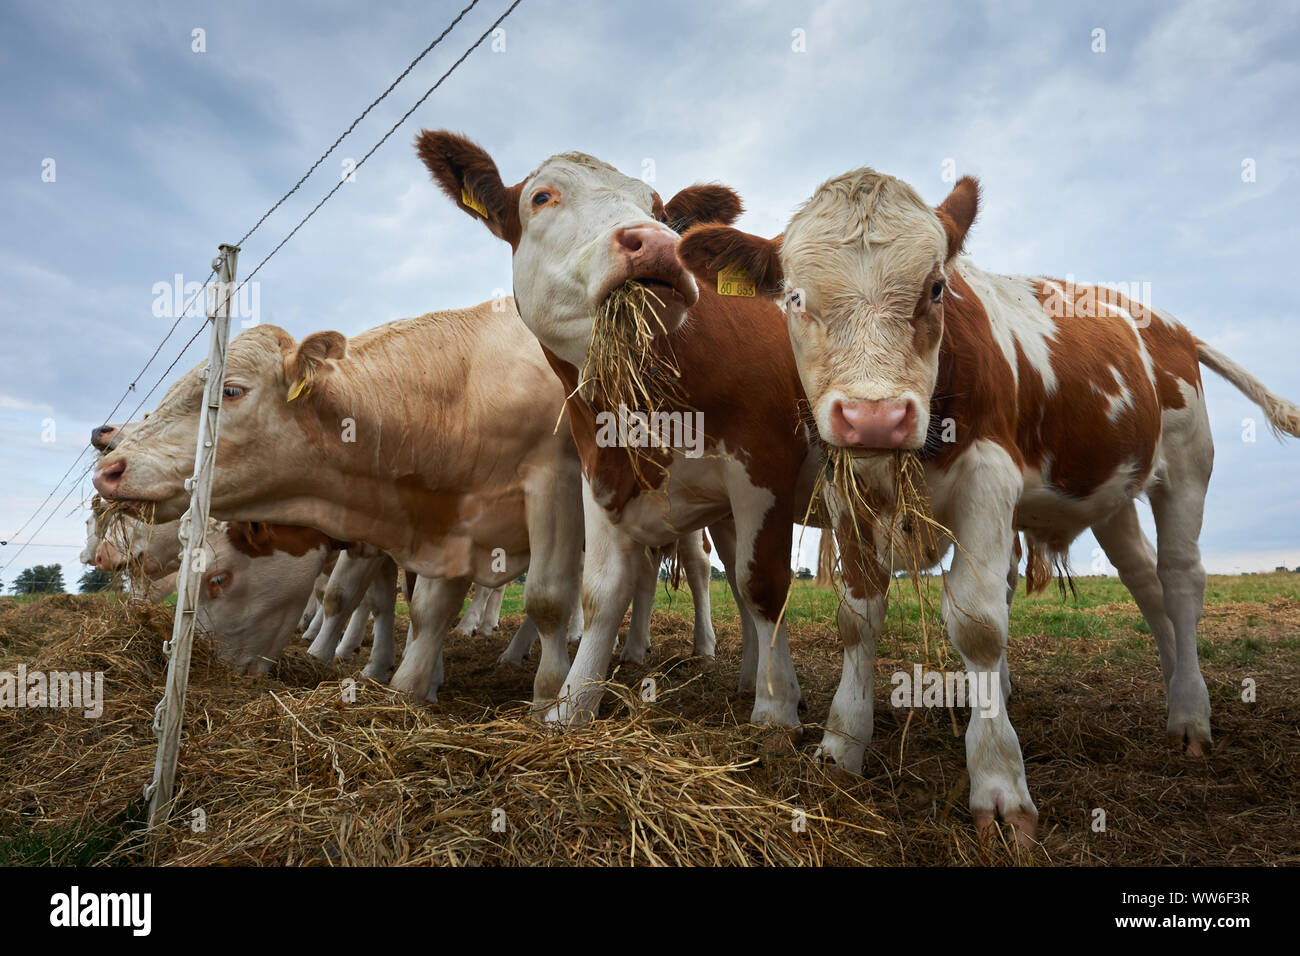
pixel 840 753
pixel 1024 824
pixel 381 675
pixel 1191 742
pixel 776 714
pixel 635 655
pixel 842 776
pixel 704 645
pixel 510 659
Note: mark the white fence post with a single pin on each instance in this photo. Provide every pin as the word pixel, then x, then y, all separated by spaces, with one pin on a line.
pixel 169 714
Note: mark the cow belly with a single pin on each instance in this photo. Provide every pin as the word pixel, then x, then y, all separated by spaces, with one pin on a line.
pixel 490 545
pixel 1055 519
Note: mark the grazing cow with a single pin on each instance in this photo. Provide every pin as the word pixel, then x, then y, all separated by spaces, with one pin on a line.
pixel 433 439
pixel 256 578
pixel 578 229
pixel 1033 404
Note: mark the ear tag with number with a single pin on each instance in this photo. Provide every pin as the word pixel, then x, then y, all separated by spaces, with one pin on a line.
pixel 302 388
pixel 734 280
pixel 468 199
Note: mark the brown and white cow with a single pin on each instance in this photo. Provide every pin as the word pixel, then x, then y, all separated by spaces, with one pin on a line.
pixel 1035 405
pixel 579 228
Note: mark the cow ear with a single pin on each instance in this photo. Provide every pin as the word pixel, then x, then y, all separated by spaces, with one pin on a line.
pixel 710 249
pixel 958 211
pixel 703 203
pixel 469 177
pixel 306 363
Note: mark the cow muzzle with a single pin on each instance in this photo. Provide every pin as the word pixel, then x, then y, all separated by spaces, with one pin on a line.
pixel 108 477
pixel 647 254
pixel 862 423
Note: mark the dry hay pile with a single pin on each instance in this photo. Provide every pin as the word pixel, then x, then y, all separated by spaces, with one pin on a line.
pixel 285 771
pixel 630 365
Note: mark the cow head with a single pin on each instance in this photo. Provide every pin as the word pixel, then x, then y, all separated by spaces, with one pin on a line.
pixel 862 271
pixel 122 542
pixel 579 229
pixel 269 429
pixel 249 603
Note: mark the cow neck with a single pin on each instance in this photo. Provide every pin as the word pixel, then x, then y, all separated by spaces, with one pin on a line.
pixel 738 371
pixel 975 389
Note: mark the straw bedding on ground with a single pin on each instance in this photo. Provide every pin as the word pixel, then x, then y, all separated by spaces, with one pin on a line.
pixel 286 770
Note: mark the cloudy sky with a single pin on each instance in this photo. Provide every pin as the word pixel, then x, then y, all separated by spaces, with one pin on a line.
pixel 1158 151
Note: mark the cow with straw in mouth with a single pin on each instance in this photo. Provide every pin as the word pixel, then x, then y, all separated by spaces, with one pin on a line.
pixel 1026 404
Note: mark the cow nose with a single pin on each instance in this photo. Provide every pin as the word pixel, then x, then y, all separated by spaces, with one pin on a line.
pixel 106 558
pixel 99 436
pixel 630 240
pixel 109 477
pixel 872 424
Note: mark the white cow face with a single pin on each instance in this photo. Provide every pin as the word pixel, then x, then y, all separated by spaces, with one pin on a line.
pixel 268 444
pixel 122 541
pixel 862 271
pixel 250 605
pixel 579 229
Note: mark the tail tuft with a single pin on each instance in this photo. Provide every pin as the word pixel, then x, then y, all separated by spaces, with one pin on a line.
pixel 1283 416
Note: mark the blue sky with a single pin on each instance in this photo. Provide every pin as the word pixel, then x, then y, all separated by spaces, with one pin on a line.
pixel 1122 165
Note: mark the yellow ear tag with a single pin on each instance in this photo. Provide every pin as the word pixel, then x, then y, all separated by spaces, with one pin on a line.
pixel 468 199
pixel 302 388
pixel 734 280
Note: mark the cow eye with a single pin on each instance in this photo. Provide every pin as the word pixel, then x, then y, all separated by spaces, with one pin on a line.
pixel 218 579
pixel 936 292
pixel 541 198
pixel 233 391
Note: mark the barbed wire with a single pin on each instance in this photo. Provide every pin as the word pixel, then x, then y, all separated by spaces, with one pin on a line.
pixel 293 189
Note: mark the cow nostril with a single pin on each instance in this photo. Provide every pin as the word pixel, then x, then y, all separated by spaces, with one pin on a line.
pixel 113 471
pixel 628 240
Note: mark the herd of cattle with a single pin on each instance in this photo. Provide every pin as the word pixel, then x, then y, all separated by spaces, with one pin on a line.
pixel 461 448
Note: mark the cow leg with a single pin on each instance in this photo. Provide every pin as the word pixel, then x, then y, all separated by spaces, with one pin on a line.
pixel 383 652
pixel 1178 502
pixel 309 612
pixel 637 648
pixel 317 620
pixel 343 595
pixel 555 534
pixel 380 592
pixel 695 564
pixel 1013 581
pixel 469 622
pixel 1128 549
pixel 355 632
pixel 610 573
pixel 491 619
pixel 434 604
pixel 764 534
pixel 724 539
pixel 861 618
pixel 521 645
pixel 575 626
pixel 975 614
